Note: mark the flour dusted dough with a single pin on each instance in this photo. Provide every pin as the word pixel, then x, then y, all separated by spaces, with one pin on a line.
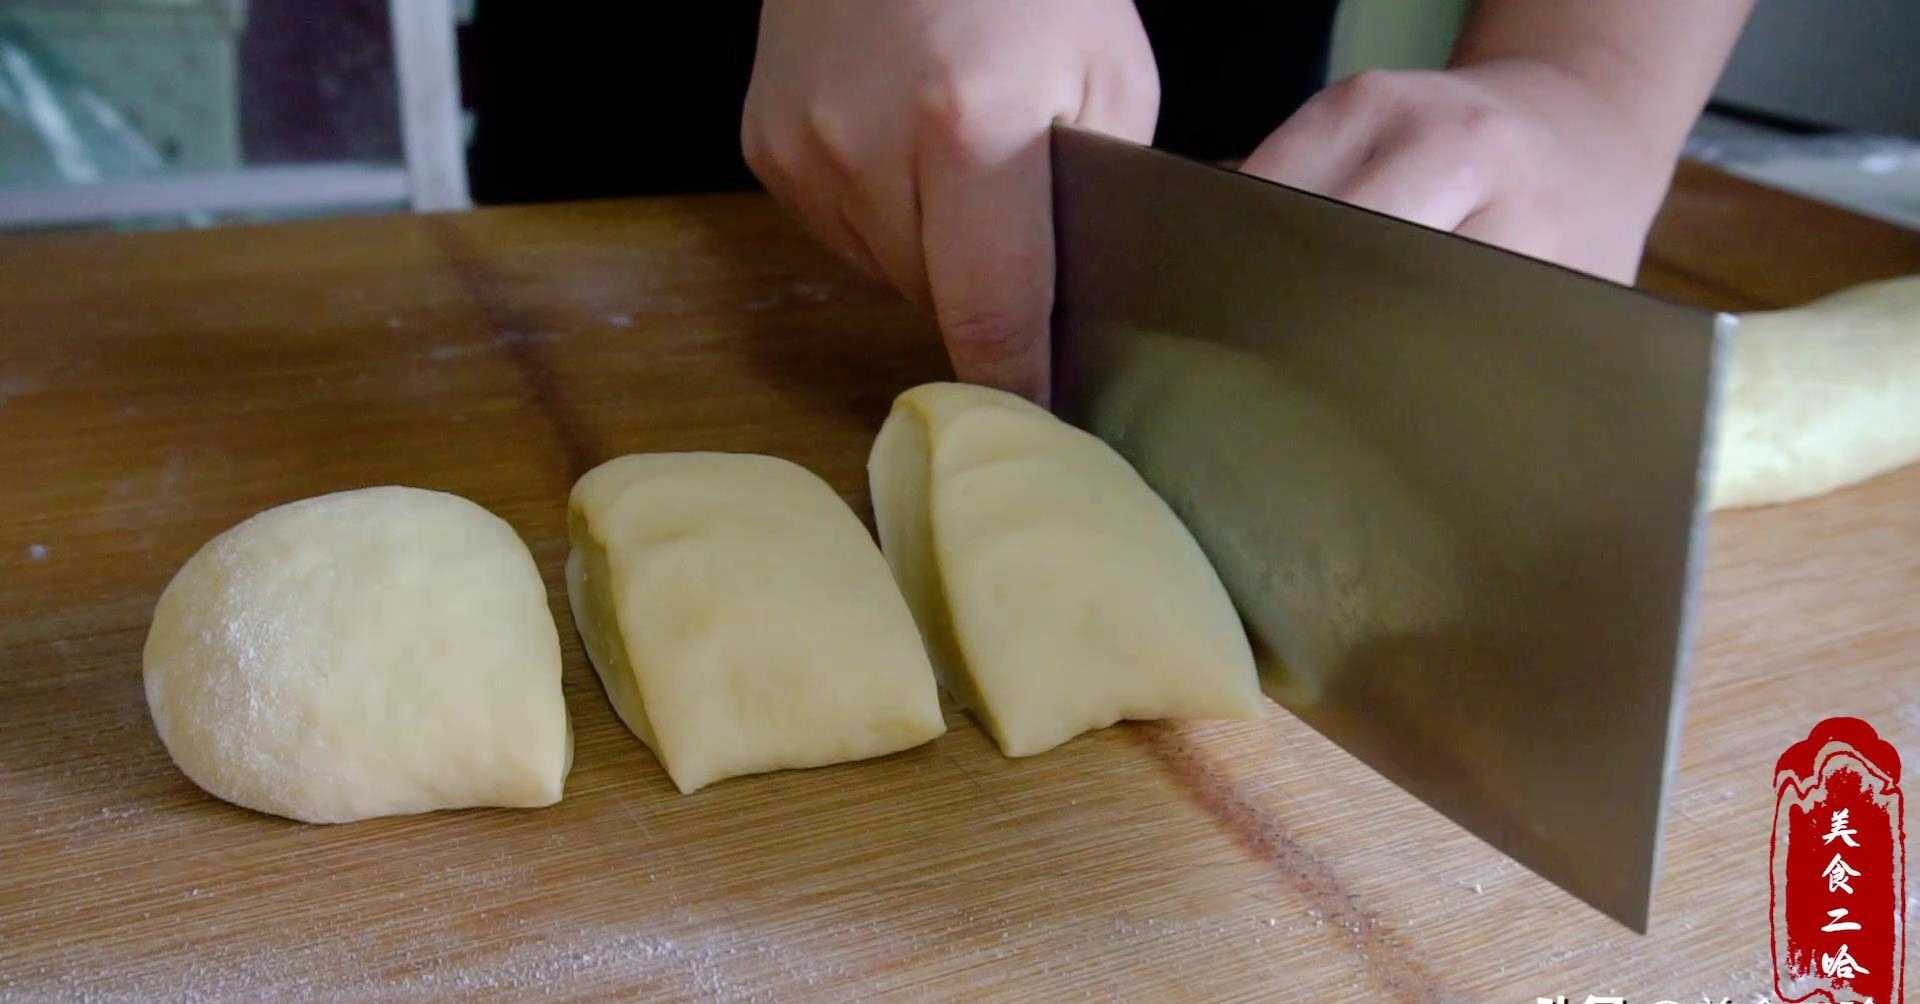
pixel 366 653
pixel 740 617
pixel 1820 396
pixel 1057 592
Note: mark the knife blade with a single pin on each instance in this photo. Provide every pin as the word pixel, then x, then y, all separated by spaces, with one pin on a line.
pixel 1455 493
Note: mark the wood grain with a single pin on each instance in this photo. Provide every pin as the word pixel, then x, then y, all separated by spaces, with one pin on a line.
pixel 156 389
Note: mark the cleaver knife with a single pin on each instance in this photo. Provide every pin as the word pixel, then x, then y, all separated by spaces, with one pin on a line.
pixel 1455 493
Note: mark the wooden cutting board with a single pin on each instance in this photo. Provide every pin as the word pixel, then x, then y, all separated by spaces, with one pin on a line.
pixel 156 389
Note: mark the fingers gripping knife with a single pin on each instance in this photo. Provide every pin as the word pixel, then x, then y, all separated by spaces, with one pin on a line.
pixel 1456 493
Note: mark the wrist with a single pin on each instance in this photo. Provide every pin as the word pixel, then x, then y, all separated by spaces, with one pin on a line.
pixel 1618 92
pixel 1587 108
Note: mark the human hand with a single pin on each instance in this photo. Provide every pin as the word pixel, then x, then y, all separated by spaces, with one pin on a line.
pixel 1514 152
pixel 911 137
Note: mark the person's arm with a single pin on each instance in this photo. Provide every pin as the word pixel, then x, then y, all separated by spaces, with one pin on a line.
pixel 911 137
pixel 1554 132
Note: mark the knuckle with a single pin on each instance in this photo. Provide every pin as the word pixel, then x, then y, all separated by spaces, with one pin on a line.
pixel 753 147
pixel 1136 88
pixel 1147 86
pixel 966 111
pixel 753 123
pixel 779 155
pixel 831 130
pixel 1369 89
pixel 1487 126
pixel 987 334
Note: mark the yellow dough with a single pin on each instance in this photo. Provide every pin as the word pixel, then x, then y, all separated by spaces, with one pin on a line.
pixel 1821 396
pixel 741 618
pixel 366 653
pixel 1277 485
pixel 1056 591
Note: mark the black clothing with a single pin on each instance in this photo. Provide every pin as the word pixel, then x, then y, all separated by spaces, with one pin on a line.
pixel 576 101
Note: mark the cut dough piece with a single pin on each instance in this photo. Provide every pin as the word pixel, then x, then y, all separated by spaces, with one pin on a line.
pixel 740 617
pixel 366 653
pixel 1821 396
pixel 1056 591
pixel 1334 577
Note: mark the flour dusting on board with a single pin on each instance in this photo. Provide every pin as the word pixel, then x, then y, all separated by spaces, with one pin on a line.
pixel 16 386
pixel 1909 714
pixel 622 963
pixel 500 342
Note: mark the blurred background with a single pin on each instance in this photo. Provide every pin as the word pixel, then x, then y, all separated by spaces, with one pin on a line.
pixel 166 113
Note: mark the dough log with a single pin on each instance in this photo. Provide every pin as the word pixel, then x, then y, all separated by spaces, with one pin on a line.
pixel 1056 591
pixel 1821 396
pixel 741 618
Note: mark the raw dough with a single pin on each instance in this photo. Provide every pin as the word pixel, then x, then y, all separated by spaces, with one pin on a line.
pixel 1821 396
pixel 1057 592
pixel 1336 577
pixel 741 618
pixel 366 653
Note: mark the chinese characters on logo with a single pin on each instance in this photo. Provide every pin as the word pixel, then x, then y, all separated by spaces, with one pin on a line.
pixel 1604 999
pixel 1838 868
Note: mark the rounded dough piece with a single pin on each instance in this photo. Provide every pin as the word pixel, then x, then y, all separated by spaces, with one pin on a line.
pixel 366 653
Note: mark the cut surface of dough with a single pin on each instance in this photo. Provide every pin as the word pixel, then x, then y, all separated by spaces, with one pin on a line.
pixel 1821 396
pixel 741 618
pixel 366 653
pixel 1056 591
pixel 1276 486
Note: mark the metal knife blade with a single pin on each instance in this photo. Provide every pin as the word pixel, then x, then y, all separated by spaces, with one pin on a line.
pixel 1456 493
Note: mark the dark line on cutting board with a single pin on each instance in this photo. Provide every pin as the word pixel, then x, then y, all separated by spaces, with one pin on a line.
pixel 1385 956
pixel 514 332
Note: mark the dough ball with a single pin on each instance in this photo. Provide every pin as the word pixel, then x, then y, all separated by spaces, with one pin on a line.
pixel 1057 592
pixel 741 618
pixel 367 653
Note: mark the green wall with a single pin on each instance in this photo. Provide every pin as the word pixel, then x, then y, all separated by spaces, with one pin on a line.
pixel 1394 34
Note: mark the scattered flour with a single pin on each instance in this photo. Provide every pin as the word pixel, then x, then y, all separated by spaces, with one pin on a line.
pixel 504 340
pixel 813 292
pixel 443 353
pixel 804 292
pixel 363 968
pixel 16 386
